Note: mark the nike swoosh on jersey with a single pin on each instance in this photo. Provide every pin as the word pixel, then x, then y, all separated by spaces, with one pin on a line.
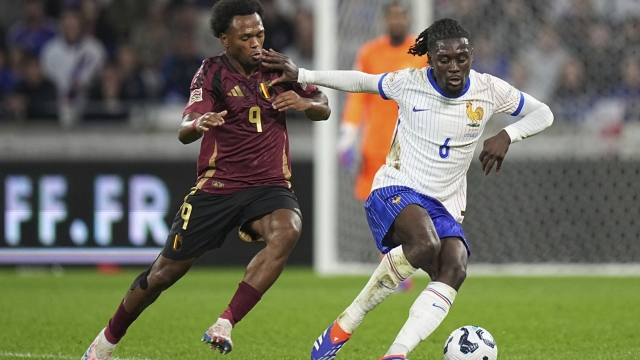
pixel 419 110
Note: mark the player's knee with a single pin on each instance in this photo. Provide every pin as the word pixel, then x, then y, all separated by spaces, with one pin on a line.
pixel 162 278
pixel 284 237
pixel 159 280
pixel 422 251
pixel 452 274
pixel 141 280
pixel 430 246
pixel 288 235
pixel 459 274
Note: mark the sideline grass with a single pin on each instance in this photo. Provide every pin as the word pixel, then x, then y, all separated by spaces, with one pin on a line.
pixel 531 318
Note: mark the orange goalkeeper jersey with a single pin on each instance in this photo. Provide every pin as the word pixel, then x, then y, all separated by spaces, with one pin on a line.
pixel 377 116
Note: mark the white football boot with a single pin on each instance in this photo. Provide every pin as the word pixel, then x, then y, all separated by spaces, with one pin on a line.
pixel 100 349
pixel 219 336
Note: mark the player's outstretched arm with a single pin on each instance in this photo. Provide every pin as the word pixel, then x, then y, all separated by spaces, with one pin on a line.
pixel 536 116
pixel 343 80
pixel 195 124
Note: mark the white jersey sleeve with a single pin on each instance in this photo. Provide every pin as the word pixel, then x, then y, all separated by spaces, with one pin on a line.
pixel 507 99
pixel 391 85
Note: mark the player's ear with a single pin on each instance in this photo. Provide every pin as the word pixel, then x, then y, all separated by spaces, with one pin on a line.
pixel 224 40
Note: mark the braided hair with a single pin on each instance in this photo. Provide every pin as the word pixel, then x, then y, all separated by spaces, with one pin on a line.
pixel 440 30
pixel 223 11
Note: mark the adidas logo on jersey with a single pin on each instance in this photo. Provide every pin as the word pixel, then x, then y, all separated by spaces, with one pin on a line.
pixel 235 92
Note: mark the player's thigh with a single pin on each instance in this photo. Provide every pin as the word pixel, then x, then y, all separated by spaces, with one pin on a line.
pixel 412 226
pixel 397 216
pixel 281 228
pixel 452 262
pixel 202 223
pixel 273 215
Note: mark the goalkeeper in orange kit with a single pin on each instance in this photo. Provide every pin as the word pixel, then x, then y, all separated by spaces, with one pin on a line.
pixel 374 115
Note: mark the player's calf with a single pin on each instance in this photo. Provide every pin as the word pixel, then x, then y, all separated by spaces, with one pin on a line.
pixel 452 268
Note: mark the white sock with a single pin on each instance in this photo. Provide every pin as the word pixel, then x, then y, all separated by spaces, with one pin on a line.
pixel 426 314
pixel 224 322
pixel 105 341
pixel 391 271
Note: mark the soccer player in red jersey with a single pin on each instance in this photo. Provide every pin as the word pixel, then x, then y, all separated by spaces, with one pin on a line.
pixel 243 175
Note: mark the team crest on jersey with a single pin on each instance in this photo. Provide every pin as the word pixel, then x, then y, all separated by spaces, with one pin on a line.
pixel 266 90
pixel 475 115
pixel 196 96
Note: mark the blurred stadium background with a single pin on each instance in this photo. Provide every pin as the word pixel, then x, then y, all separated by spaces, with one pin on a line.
pixel 92 171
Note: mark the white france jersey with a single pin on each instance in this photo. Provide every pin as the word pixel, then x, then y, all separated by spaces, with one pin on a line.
pixel 436 135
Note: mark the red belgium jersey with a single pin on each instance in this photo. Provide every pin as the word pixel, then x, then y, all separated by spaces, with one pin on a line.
pixel 252 147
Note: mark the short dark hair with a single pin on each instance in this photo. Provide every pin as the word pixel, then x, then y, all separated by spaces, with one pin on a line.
pixel 440 30
pixel 387 6
pixel 223 11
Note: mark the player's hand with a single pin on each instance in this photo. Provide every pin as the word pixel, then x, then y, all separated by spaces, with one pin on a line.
pixel 208 120
pixel 348 158
pixel 289 100
pixel 347 145
pixel 493 152
pixel 274 60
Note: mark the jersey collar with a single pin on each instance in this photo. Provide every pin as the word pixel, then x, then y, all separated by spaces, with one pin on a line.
pixel 435 85
pixel 227 63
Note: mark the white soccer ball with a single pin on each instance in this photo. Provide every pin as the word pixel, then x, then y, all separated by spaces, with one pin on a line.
pixel 470 343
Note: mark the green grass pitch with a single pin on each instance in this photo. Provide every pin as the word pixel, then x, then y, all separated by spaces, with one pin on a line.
pixel 55 317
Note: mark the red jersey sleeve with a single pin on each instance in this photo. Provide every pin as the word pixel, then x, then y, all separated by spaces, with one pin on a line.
pixel 306 92
pixel 201 96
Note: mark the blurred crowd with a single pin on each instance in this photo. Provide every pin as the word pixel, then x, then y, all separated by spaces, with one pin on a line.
pixel 76 61
pixel 81 61
pixel 582 57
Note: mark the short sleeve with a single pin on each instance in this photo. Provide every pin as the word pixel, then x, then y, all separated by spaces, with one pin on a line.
pixel 391 85
pixel 306 92
pixel 200 96
pixel 508 99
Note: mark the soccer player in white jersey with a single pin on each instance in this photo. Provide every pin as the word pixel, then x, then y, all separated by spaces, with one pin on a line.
pixel 418 197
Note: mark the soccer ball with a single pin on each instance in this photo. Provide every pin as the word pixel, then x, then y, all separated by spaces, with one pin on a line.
pixel 470 343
